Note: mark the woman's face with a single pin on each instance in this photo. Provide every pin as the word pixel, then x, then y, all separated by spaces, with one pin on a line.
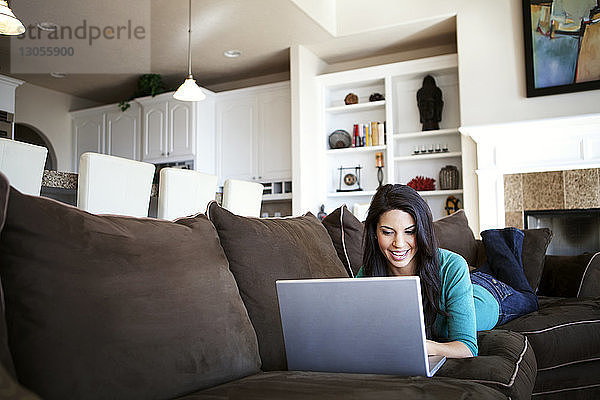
pixel 396 234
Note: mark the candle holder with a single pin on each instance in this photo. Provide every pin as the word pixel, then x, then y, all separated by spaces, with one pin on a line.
pixel 379 165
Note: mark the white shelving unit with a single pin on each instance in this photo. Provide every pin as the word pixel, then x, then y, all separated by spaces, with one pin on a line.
pixel 429 156
pixel 354 150
pixel 398 83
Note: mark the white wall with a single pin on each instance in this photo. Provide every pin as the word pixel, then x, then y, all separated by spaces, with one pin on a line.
pixel 48 111
pixel 307 169
pixel 490 56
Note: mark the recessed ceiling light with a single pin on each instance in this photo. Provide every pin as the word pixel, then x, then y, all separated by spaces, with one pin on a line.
pixel 47 26
pixel 58 75
pixel 232 53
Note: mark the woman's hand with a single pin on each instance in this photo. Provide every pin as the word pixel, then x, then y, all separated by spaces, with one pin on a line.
pixel 454 349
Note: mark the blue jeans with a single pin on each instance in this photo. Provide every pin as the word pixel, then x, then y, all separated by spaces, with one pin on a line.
pixel 502 274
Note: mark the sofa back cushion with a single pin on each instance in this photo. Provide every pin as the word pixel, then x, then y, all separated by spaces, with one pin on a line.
pixel 104 307
pixel 453 233
pixel 346 233
pixel 262 251
pixel 535 243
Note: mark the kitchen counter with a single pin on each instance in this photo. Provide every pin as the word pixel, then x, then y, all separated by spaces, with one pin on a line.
pixel 62 180
pixel 68 181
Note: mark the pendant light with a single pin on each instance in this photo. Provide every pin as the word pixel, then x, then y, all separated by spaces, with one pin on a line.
pixel 189 90
pixel 9 24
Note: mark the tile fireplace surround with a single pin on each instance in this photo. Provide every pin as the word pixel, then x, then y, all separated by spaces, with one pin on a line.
pixel 555 190
pixel 551 160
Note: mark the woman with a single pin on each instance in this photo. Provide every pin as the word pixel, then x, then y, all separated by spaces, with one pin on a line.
pixel 399 241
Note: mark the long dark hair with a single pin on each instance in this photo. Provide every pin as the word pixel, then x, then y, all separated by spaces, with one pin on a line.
pixel 405 198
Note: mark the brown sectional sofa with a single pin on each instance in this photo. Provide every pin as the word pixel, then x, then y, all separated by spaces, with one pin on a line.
pixel 109 307
pixel 564 333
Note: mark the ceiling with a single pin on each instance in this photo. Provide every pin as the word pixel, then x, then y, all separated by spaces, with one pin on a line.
pixel 263 30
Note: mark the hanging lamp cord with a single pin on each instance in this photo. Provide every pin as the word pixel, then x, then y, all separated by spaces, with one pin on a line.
pixel 190 40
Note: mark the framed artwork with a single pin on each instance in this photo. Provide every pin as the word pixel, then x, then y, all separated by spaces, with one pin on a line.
pixel 562 46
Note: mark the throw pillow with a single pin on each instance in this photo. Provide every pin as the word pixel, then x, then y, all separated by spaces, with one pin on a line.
pixel 117 307
pixel 453 233
pixel 535 243
pixel 262 251
pixel 346 233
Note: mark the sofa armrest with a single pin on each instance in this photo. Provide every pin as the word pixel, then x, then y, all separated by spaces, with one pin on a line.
pixel 590 281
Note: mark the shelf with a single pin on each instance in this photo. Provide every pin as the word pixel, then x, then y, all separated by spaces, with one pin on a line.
pixel 278 196
pixel 356 149
pixel 363 193
pixel 356 107
pixel 451 154
pixel 427 193
pixel 439 132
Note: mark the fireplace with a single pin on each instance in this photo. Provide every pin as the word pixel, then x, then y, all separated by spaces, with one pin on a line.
pixel 575 231
pixel 548 164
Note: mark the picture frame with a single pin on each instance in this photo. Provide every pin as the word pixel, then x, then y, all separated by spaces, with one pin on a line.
pixel 560 43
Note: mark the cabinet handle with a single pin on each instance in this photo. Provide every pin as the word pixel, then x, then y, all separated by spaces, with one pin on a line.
pixel 162 154
pixel 260 177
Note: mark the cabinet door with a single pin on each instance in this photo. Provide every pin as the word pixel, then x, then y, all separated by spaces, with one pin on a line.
pixel 123 133
pixel 155 131
pixel 274 154
pixel 236 119
pixel 181 129
pixel 88 134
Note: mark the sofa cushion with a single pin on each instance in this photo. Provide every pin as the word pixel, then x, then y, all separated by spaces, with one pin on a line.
pixel 346 233
pixel 562 275
pixel 535 243
pixel 453 233
pixel 261 251
pixel 119 307
pixel 562 332
pixel 321 385
pixel 506 362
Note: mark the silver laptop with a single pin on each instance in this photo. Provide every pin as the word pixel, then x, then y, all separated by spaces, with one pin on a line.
pixel 366 325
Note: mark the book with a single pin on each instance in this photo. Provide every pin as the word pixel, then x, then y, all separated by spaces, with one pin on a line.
pixel 381 131
pixel 374 134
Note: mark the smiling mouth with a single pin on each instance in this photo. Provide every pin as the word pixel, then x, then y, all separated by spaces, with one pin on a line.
pixel 399 255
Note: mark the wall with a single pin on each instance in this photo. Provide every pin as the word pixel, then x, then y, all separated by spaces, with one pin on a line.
pixel 48 111
pixel 490 52
pixel 307 170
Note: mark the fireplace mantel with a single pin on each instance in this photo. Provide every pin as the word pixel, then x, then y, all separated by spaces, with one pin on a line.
pixel 553 144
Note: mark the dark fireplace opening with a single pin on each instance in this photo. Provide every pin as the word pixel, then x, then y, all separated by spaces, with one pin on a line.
pixel 575 231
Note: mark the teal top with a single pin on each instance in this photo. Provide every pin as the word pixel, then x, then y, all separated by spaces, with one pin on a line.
pixel 471 307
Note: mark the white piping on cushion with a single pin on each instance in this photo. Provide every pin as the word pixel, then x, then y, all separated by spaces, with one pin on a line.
pixel 594 321
pixel 344 241
pixel 514 375
pixel 569 363
pixel 585 272
pixel 566 389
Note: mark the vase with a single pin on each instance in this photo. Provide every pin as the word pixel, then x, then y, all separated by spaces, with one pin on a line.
pixel 449 178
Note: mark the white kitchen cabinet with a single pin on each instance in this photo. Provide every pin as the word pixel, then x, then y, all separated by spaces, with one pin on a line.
pixel 180 132
pixel 107 130
pixel 236 120
pixel 122 133
pixel 168 129
pixel 274 137
pixel 254 133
